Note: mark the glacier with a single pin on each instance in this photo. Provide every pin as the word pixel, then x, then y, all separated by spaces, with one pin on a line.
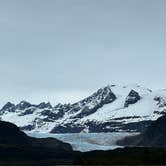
pixel 87 141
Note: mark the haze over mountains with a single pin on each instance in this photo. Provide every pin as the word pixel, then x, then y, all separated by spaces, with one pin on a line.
pixel 111 108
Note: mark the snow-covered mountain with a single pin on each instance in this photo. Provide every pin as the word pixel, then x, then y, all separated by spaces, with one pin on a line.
pixel 112 108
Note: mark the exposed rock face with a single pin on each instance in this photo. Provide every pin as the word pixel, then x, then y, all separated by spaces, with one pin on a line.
pixel 132 98
pixel 93 103
pixel 44 105
pixel 23 105
pixel 8 107
pixel 160 101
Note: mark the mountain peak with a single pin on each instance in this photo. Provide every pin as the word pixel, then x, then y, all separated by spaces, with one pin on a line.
pixel 104 94
pixel 23 104
pixel 132 98
pixel 8 107
pixel 44 105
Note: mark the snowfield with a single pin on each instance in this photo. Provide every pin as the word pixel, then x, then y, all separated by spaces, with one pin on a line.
pixel 87 141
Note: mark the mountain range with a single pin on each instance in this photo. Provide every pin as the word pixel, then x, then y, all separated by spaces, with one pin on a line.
pixel 111 108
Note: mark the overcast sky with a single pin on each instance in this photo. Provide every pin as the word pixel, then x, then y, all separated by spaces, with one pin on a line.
pixel 62 50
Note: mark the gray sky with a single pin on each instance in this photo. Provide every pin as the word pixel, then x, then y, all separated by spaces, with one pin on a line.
pixel 62 50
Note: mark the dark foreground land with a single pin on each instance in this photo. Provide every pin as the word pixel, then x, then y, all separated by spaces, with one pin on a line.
pixel 24 156
pixel 18 149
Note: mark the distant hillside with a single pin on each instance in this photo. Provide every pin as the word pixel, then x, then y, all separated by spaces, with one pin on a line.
pixel 153 136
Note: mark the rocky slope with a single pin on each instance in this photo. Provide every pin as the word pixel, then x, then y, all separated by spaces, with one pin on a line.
pixel 153 136
pixel 112 108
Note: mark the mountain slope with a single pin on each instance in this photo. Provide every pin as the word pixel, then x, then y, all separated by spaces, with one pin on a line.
pixel 12 136
pixel 112 108
pixel 153 136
